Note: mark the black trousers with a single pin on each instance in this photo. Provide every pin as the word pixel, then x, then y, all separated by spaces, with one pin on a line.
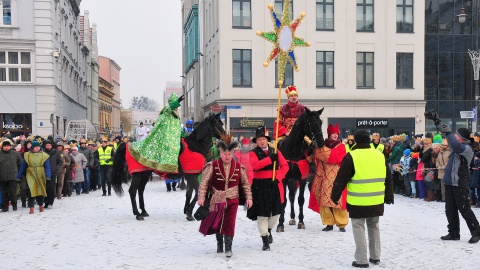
pixel 51 187
pixel 456 200
pixel 9 193
pixel 106 175
pixel 31 200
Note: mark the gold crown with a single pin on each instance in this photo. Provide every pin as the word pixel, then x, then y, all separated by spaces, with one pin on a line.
pixel 403 137
pixel 395 138
pixel 350 137
pixel 83 140
pixel 427 140
pixel 376 136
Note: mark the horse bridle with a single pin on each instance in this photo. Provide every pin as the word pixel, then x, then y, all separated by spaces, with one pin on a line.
pixel 313 135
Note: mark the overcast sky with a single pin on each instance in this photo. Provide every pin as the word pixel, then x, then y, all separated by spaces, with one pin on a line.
pixel 144 37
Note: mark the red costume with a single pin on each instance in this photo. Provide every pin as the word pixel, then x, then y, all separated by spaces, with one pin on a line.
pixel 288 113
pixel 223 182
pixel 243 156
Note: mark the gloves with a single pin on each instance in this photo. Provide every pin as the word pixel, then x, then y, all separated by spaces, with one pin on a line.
pixel 389 201
pixel 443 128
pixel 273 157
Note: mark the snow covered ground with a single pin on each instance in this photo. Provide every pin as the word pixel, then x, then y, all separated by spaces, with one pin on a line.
pixel 95 232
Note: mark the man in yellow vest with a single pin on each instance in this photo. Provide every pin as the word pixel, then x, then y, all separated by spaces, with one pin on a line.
pixel 105 156
pixel 376 143
pixel 365 173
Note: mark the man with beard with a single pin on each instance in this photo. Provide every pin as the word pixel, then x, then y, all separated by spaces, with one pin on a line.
pixel 56 162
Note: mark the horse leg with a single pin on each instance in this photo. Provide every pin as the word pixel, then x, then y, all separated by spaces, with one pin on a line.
pixel 281 219
pixel 301 201
pixel 292 191
pixel 192 185
pixel 136 180
pixel 145 177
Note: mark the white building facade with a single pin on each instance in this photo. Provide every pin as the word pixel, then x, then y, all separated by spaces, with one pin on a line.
pixel 42 66
pixel 365 64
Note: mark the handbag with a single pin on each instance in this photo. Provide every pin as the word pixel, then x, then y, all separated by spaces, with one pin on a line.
pixel 202 212
pixel 430 176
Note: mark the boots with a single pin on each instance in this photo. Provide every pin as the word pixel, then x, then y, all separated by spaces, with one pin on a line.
pixel 228 246
pixel 266 245
pixel 40 208
pixel 430 196
pixel 270 237
pixel 219 242
pixel 31 210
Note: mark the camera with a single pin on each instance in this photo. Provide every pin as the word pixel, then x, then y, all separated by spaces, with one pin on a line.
pixel 433 115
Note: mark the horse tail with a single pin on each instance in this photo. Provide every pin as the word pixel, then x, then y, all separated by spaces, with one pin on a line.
pixel 118 174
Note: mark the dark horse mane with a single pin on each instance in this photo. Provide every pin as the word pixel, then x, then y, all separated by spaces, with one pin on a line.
pixel 200 140
pixel 293 147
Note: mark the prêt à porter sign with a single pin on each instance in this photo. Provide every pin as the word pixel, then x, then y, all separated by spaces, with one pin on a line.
pixel 372 123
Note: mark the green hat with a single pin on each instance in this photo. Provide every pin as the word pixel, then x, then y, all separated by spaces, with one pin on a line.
pixel 172 98
pixel 35 144
pixel 437 139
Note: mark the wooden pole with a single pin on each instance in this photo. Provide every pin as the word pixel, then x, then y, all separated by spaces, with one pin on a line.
pixel 280 84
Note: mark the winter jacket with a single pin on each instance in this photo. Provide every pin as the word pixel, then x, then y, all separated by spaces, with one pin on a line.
pixel 419 174
pixel 10 161
pixel 55 160
pixel 442 161
pixel 457 171
pixel 65 162
pixel 397 153
pixel 345 174
pixel 88 153
pixel 412 171
pixel 80 164
pixel 405 162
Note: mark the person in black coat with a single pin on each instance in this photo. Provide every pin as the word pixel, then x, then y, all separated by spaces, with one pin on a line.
pixel 55 163
pixel 10 161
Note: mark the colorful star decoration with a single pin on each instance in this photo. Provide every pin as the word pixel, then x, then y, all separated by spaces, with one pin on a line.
pixel 284 39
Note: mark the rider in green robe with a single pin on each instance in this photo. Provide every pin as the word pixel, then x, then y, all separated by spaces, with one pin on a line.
pixel 161 148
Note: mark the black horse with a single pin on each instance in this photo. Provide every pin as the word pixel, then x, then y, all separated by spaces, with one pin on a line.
pixel 294 148
pixel 199 141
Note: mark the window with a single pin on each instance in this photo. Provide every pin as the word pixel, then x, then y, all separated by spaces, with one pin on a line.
pixel 325 69
pixel 365 70
pixel 242 67
pixel 365 16
pixel 325 14
pixel 278 7
pixel 6 12
pixel 15 67
pixel 404 70
pixel 288 77
pixel 404 16
pixel 241 14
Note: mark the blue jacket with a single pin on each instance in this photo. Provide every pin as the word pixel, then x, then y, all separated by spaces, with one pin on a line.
pixel 457 171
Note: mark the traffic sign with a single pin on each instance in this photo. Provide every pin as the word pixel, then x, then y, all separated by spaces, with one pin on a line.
pixel 216 108
pixel 234 107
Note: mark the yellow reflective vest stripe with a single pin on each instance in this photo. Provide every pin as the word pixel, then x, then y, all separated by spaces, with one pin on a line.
pixel 104 155
pixel 367 186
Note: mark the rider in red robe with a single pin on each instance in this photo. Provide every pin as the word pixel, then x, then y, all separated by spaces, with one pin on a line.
pixel 289 112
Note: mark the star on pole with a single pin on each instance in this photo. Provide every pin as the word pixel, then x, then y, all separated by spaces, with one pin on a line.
pixel 284 39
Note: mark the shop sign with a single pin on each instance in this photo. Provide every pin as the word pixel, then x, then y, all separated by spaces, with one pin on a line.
pixel 11 126
pixel 251 123
pixel 372 123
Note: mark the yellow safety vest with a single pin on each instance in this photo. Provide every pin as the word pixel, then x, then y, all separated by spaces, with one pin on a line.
pixel 380 147
pixel 115 146
pixel 367 186
pixel 105 155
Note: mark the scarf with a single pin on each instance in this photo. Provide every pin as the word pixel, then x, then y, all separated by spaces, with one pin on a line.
pixel 331 143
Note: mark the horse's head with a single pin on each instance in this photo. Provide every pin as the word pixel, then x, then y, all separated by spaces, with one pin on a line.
pixel 217 125
pixel 313 127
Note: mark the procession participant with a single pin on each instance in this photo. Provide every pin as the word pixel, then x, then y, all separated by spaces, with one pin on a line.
pixel 350 143
pixel 223 180
pixel 367 177
pixel 105 156
pixel 117 141
pixel 268 195
pixel 10 161
pixel 55 163
pixel 142 132
pixel 328 159
pixel 288 113
pixel 456 180
pixel 38 173
pixel 161 148
pixel 95 168
pixel 243 156
pixel 376 143
pixel 62 169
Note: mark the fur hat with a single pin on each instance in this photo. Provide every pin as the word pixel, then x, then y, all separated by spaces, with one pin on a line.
pixel 261 131
pixel 333 129
pixel 463 133
pixel 376 136
pixel 291 90
pixel 226 144
pixel 6 142
pixel 362 136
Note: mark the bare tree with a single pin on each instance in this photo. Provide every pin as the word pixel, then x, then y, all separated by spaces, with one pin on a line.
pixel 144 104
pixel 125 118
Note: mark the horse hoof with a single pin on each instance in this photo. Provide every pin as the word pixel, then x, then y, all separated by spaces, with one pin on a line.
pixel 145 214
pixel 139 217
pixel 291 222
pixel 301 226
pixel 280 229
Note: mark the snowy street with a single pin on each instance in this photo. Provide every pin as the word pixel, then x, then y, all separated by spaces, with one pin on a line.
pixel 94 232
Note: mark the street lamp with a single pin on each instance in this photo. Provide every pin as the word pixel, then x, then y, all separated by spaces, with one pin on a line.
pixel 474 54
